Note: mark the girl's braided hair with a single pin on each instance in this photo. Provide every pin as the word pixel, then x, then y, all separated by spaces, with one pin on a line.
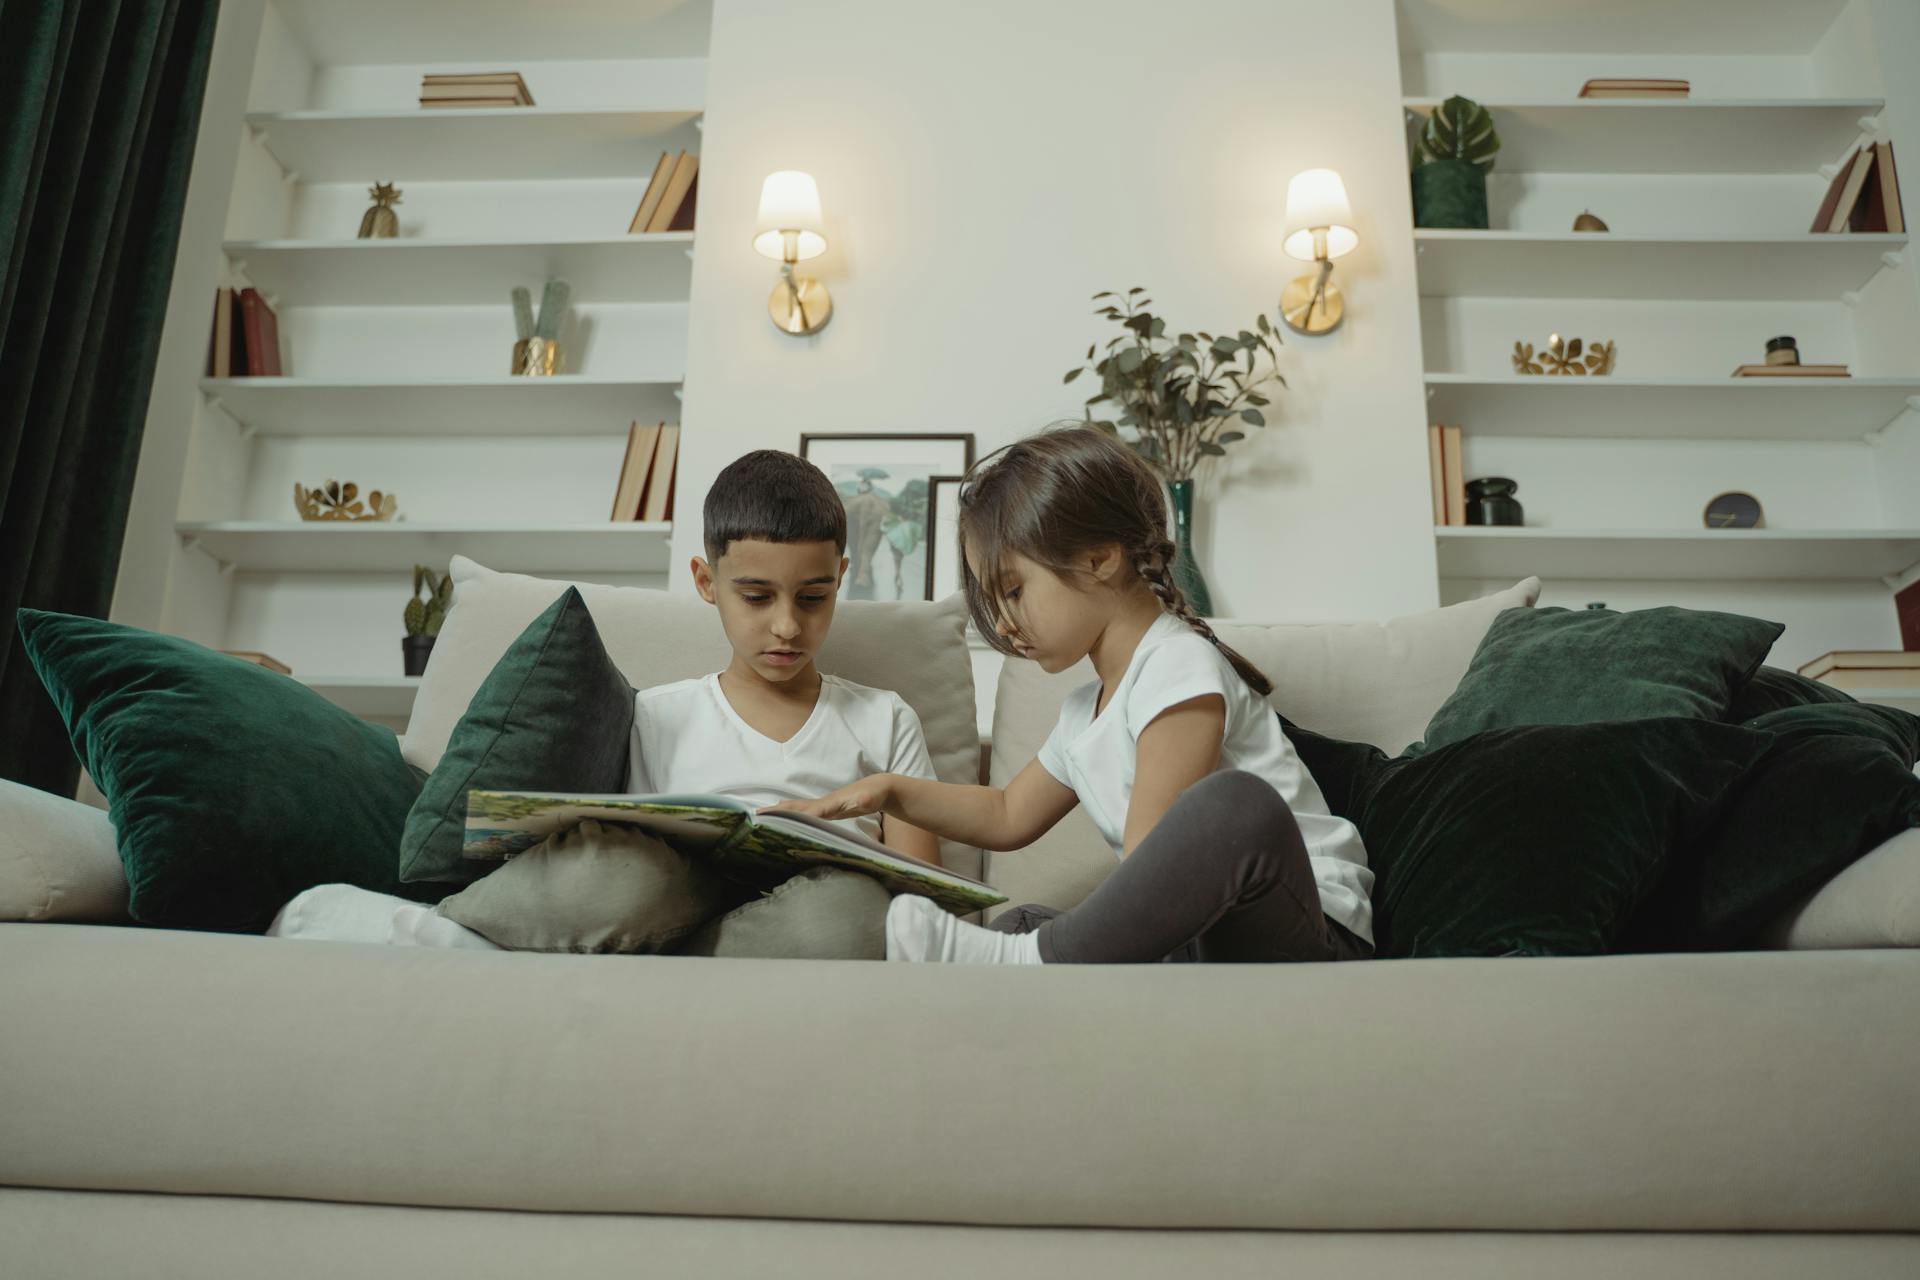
pixel 1055 495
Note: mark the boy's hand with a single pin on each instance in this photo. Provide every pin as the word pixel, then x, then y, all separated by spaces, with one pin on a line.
pixel 869 795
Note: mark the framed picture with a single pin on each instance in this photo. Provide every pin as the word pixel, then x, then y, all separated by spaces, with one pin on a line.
pixel 883 482
pixel 943 536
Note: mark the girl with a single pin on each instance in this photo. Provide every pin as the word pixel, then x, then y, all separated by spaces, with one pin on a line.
pixel 1227 851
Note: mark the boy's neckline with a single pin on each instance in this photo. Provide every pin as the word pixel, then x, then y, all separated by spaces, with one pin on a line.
pixel 813 710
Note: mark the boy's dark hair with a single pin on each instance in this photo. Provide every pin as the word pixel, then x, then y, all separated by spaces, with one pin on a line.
pixel 774 497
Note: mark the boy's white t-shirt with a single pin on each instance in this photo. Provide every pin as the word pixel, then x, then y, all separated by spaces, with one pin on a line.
pixel 1095 756
pixel 688 738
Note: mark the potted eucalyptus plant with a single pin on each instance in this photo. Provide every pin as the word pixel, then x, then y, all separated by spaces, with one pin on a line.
pixel 424 616
pixel 1176 400
pixel 1450 164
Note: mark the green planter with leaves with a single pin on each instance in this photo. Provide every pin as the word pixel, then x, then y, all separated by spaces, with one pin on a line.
pixel 424 616
pixel 1450 165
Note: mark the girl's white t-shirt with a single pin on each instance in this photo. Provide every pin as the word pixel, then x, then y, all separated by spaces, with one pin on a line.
pixel 687 738
pixel 1095 756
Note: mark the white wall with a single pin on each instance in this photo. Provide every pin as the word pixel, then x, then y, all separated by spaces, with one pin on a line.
pixel 985 168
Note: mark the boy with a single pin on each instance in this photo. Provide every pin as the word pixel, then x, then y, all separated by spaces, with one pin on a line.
pixel 768 727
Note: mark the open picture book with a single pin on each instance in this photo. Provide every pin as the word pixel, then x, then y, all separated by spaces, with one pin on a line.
pixel 752 845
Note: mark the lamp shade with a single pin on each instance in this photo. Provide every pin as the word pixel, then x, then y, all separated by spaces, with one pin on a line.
pixel 789 201
pixel 1317 198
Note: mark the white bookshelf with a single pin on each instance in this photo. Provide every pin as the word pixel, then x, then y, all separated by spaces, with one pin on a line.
pixel 570 404
pixel 396 350
pixel 1623 408
pixel 1709 199
pixel 1687 136
pixel 450 273
pixel 495 143
pixel 1648 266
pixel 326 546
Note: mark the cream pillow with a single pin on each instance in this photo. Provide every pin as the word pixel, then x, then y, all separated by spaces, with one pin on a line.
pixel 1873 903
pixel 58 859
pixel 1377 682
pixel 918 650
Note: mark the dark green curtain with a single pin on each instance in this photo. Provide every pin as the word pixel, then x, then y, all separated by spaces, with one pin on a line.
pixel 99 105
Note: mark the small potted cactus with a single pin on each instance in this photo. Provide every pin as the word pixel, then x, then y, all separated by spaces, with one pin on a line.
pixel 424 616
pixel 1450 163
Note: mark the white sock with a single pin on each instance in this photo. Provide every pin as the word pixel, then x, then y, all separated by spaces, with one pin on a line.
pixel 919 931
pixel 343 913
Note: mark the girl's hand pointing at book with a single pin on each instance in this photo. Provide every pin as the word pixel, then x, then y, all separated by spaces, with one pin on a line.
pixel 869 795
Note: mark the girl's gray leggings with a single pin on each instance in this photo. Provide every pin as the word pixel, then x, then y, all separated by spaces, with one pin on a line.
pixel 1223 877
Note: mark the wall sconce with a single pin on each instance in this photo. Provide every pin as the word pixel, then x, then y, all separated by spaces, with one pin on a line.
pixel 789 230
pixel 1319 229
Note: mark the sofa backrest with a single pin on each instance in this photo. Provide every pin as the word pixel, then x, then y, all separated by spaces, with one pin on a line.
pixel 1377 682
pixel 917 650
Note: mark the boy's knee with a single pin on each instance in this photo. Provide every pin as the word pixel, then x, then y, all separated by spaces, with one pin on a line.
pixel 822 914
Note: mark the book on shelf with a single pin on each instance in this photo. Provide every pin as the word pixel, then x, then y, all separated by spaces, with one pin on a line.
pixel 721 829
pixel 259 659
pixel 1635 87
pixel 658 503
pixel 1871 678
pixel 262 335
pixel 475 89
pixel 1879 662
pixel 656 188
pixel 1437 465
pixel 1906 604
pixel 1843 192
pixel 1878 208
pixel 1452 452
pixel 641 441
pixel 1791 371
pixel 227 344
pixel 675 210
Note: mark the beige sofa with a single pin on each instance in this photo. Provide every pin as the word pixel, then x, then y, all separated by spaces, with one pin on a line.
pixel 184 1104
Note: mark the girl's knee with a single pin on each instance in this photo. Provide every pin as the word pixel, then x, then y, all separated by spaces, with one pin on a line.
pixel 1237 791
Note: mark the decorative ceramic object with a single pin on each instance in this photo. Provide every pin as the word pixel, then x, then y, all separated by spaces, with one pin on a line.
pixel 1450 164
pixel 1563 357
pixel 338 501
pixel 1186 569
pixel 1783 350
pixel 537 352
pixel 1490 501
pixel 1587 222
pixel 1735 510
pixel 381 222
pixel 424 616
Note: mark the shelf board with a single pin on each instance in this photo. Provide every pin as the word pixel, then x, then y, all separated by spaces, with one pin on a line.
pixel 1613 407
pixel 1680 136
pixel 376 547
pixel 448 273
pixel 490 144
pixel 384 697
pixel 1574 264
pixel 1680 554
pixel 504 406
pixel 446 32
pixel 1712 27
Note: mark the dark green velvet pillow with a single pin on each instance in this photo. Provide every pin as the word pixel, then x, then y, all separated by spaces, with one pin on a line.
pixel 231 787
pixel 1775 689
pixel 1541 840
pixel 554 713
pixel 1836 782
pixel 1345 772
pixel 1562 666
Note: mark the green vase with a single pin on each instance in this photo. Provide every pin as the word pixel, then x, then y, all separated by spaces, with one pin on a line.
pixel 1186 570
pixel 1450 193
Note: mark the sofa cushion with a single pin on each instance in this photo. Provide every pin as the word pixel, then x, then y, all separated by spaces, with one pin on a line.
pixel 1562 666
pixel 593 888
pixel 58 860
pixel 553 714
pixel 1836 782
pixel 1544 839
pixel 231 787
pixel 1875 902
pixel 916 649
pixel 1774 689
pixel 1373 682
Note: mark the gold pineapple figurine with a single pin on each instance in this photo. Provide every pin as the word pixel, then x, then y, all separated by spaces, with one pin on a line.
pixel 381 222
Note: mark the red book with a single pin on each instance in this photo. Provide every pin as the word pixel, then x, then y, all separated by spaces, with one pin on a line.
pixel 263 335
pixel 1906 602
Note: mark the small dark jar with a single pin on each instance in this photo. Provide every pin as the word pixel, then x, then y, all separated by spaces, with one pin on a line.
pixel 1490 501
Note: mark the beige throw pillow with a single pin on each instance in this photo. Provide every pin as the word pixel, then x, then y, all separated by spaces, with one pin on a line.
pixel 821 914
pixel 58 859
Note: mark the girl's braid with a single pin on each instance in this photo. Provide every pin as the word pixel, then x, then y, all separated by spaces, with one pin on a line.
pixel 1154 564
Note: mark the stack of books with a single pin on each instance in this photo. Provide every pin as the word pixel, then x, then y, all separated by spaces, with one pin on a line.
pixel 1449 481
pixel 1791 371
pixel 1866 669
pixel 246 336
pixel 258 659
pixel 1864 195
pixel 1635 88
pixel 668 203
pixel 645 491
pixel 475 89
